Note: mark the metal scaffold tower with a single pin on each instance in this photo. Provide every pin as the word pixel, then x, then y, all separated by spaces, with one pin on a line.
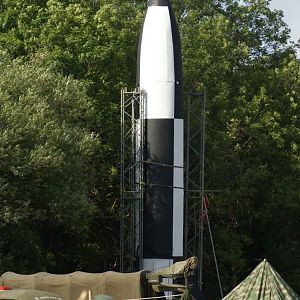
pixel 132 186
pixel 132 147
pixel 196 201
pixel 194 175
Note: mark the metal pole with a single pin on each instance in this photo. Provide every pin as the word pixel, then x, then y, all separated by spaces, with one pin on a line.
pixel 122 187
pixel 187 170
pixel 215 257
pixel 141 179
pixel 202 151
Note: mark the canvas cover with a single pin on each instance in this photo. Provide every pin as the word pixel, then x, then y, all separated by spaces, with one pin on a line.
pixel 180 268
pixel 264 283
pixel 81 285
pixel 27 295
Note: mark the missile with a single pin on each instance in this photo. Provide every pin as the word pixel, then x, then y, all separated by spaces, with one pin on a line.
pixel 159 75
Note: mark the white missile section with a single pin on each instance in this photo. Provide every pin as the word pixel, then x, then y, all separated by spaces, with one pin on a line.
pixel 178 192
pixel 157 75
pixel 160 76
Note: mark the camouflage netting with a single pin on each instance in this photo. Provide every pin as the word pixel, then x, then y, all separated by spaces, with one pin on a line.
pixel 264 283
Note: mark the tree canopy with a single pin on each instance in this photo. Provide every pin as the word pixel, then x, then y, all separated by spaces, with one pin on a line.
pixel 47 164
pixel 62 65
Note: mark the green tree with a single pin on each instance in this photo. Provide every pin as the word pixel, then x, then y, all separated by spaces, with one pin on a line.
pixel 94 41
pixel 48 161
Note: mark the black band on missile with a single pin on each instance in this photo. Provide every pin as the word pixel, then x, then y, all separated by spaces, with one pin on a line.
pixel 158 3
pixel 158 205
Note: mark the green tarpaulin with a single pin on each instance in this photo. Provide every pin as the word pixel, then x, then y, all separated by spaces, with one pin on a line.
pixel 264 283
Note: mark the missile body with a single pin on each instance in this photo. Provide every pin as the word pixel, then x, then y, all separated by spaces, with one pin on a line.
pixel 160 76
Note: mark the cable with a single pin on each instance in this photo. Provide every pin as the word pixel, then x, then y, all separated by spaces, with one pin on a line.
pixel 213 249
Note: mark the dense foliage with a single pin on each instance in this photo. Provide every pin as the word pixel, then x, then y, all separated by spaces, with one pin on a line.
pixel 61 69
pixel 48 163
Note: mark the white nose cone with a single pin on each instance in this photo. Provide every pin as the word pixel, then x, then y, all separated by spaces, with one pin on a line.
pixel 157 74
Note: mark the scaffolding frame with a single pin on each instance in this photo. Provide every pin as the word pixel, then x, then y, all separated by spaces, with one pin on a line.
pixel 131 181
pixel 194 176
pixel 132 185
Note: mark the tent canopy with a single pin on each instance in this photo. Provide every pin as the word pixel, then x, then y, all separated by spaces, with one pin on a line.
pixel 263 283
